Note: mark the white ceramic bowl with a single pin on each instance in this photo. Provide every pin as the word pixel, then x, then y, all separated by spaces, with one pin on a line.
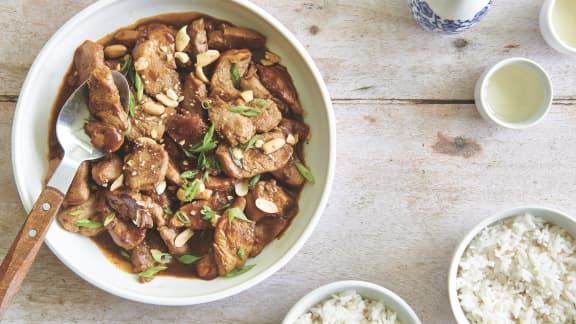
pixel 30 145
pixel 550 215
pixel 549 32
pixel 488 114
pixel 365 289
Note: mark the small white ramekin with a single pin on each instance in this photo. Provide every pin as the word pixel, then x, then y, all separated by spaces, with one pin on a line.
pixel 488 114
pixel 548 31
pixel 365 289
pixel 552 216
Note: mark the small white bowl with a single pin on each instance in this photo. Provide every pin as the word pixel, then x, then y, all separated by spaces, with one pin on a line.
pixel 488 114
pixel 550 215
pixel 365 289
pixel 549 32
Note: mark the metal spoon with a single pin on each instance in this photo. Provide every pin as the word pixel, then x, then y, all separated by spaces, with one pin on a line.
pixel 77 149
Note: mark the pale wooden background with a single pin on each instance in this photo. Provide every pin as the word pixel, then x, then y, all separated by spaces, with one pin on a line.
pixel 399 204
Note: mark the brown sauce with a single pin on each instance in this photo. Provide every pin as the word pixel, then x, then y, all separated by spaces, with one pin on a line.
pixel 200 245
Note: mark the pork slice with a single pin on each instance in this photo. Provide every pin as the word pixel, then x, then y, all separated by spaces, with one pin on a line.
pixel 266 231
pixel 173 174
pixel 186 130
pixel 107 138
pixel 154 59
pixel 191 212
pixel 229 238
pixel 251 82
pixel 138 208
pixel 125 234
pixel 106 170
pixel 228 37
pixel 87 57
pixel 253 161
pixel 104 99
pixel 147 125
pixel 207 268
pixel 269 116
pixel 198 37
pixel 94 210
pixel 169 235
pixel 141 258
pixel 194 92
pixel 222 83
pixel 146 166
pixel 277 80
pixel 220 183
pixel 272 192
pixel 234 127
pixel 79 191
pixel 289 174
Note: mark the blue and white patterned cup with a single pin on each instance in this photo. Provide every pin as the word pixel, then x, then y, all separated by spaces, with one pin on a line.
pixel 448 16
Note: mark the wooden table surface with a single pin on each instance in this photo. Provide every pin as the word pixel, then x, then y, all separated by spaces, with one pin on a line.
pixel 416 166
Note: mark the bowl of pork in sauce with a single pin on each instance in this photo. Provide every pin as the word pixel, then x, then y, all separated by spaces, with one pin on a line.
pixel 214 175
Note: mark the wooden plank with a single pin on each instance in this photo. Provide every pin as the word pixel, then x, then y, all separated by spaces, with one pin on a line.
pixel 399 205
pixel 364 49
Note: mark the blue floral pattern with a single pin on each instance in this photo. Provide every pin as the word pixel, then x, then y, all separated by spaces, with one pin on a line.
pixel 429 20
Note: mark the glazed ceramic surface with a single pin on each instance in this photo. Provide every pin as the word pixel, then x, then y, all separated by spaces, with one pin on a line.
pixel 448 16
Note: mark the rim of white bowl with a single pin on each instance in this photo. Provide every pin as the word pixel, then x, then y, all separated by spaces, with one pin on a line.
pixel 487 111
pixel 457 310
pixel 19 115
pixel 547 11
pixel 321 293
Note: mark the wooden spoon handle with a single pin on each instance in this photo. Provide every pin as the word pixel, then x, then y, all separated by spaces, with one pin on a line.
pixel 23 251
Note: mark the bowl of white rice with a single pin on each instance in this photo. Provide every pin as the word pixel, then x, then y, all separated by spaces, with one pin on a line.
pixel 518 266
pixel 351 302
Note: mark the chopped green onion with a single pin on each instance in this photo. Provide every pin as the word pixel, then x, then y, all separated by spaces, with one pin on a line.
pixel 225 206
pixel 183 218
pixel 76 212
pixel 88 224
pixel 250 143
pixel 206 145
pixel 190 174
pixel 236 213
pixel 191 189
pixel 245 111
pixel 235 75
pixel 131 104
pixel 151 272
pixel 188 259
pixel 126 66
pixel 160 257
pixel 254 181
pixel 241 252
pixel 206 104
pixel 239 271
pixel 109 219
pixel 207 212
pixel 139 86
pixel 124 254
pixel 167 210
pixel 127 131
pixel 305 172
pixel 261 103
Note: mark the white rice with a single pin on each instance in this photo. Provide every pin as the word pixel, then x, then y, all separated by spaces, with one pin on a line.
pixel 520 270
pixel 346 308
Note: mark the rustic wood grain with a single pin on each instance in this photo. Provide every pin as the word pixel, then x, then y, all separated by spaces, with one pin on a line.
pixel 416 166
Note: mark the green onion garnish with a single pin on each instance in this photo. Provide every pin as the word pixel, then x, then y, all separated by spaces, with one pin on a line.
pixel 245 111
pixel 151 272
pixel 239 271
pixel 305 172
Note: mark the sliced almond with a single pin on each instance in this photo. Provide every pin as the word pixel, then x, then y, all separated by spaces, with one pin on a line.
pixel 266 206
pixel 183 237
pixel 241 188
pixel 117 183
pixel 199 72
pixel 247 95
pixel 153 108
pixel 207 58
pixel 291 139
pixel 182 57
pixel 259 143
pixel 115 51
pixel 166 101
pixel 160 187
pixel 273 145
pixel 237 154
pixel 170 93
pixel 182 39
